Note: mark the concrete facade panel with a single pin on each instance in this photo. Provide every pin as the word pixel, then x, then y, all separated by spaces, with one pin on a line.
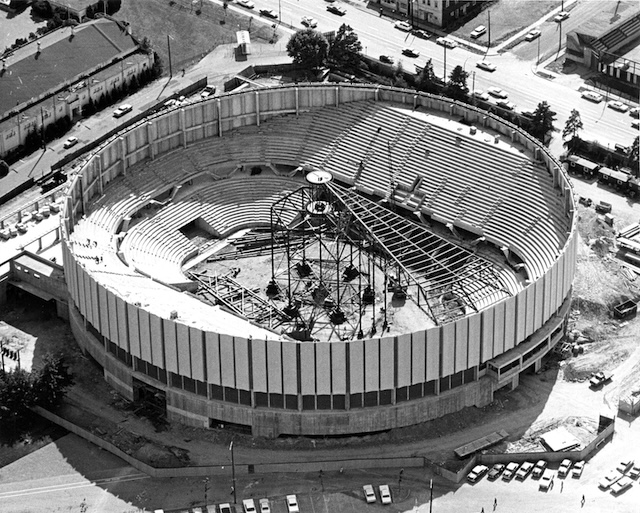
pixel 448 348
pixel 371 365
pixel 145 335
pixel 510 323
pixel 498 329
pixel 103 308
pixel 487 335
pixel 197 354
pixel 259 365
pixel 404 360
pixel 539 304
pixel 170 345
pixel 214 374
pixel 323 368
pixel 475 334
pixel 387 363
pixel 462 345
pixel 274 359
pixel 521 312
pixel 134 330
pixel 418 357
pixel 307 369
pixel 530 310
pixel 95 306
pixel 356 366
pixel 433 354
pixel 157 340
pixel 290 367
pixel 339 368
pixel 227 361
pixel 113 317
pixel 122 340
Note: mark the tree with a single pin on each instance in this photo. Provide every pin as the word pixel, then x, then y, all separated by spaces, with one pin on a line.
pixel 51 382
pixel 542 121
pixel 308 48
pixel 16 396
pixel 4 169
pixel 427 80
pixel 633 157
pixel 457 88
pixel 571 129
pixel 346 47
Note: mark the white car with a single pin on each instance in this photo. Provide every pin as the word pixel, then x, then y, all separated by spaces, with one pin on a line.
pixel 292 504
pixel 385 494
pixel 310 22
pixel 524 470
pixel 561 16
pixel 634 112
pixel 369 494
pixel 577 469
pixel 486 65
pixel 534 34
pixel 246 3
pixel 619 106
pixel 506 104
pixel 72 141
pixel 539 469
pixel 546 479
pixel 497 92
pixel 208 91
pixel 612 477
pixel 592 96
pixel 264 506
pixel 624 465
pixel 445 41
pixel 478 31
pixel 477 473
pixel 564 468
pixel 122 110
pixel 621 485
pixel 249 506
pixel 402 25
pixel 225 508
pixel 510 471
pixel 479 93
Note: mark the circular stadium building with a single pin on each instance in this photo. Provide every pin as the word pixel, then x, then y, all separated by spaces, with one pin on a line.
pixel 318 259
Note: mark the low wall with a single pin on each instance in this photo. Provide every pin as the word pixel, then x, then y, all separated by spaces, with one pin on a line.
pixel 225 469
pixel 458 476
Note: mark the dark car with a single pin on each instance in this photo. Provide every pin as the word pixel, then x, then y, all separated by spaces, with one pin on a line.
pixel 410 52
pixel 495 471
pixel 422 34
pixel 386 59
pixel 269 13
pixel 337 9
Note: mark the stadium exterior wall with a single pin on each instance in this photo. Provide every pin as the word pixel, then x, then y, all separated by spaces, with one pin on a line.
pixel 289 387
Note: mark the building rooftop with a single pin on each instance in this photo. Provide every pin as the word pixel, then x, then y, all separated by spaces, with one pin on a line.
pixel 64 55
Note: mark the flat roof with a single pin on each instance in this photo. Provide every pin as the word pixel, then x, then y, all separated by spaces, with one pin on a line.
pixel 62 57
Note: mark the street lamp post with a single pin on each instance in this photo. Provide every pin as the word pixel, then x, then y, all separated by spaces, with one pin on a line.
pixel 400 480
pixel 538 58
pixel 233 474
pixel 444 78
pixel 169 49
pixel 430 495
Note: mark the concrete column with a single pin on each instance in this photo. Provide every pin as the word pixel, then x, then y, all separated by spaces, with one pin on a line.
pixel 297 101
pixel 219 111
pixel 152 140
pixel 515 381
pixel 122 146
pixel 257 108
pixel 183 127
pixel 538 365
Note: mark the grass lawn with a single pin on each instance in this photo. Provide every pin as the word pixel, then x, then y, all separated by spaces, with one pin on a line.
pixel 508 18
pixel 193 35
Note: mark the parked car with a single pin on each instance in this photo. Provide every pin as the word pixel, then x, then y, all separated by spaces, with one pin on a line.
pixel 534 34
pixel 621 485
pixel 402 25
pixel 69 143
pixel 564 468
pixel 292 504
pixel 385 494
pixel 635 124
pixel 336 9
pixel 603 207
pixel 478 93
pixel 486 65
pixel 611 477
pixel 445 41
pixel 561 16
pixel 208 91
pixel 506 104
pixel 546 480
pixel 310 22
pixel 269 13
pixel 634 112
pixel 249 506
pixel 478 31
pixel 619 106
pixel 624 465
pixel 477 473
pixel 495 471
pixel 497 92
pixel 524 470
pixel 246 3
pixel 539 469
pixel 592 96
pixel 422 34
pixel 598 379
pixel 386 59
pixel 369 494
pixel 577 469
pixel 122 110
pixel 510 471
pixel 264 506
pixel 410 52
pixel 225 508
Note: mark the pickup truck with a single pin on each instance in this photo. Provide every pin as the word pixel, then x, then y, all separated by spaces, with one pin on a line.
pixel 598 379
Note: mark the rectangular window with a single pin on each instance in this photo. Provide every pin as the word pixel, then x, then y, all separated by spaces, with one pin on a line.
pixel 245 397
pixel 385 397
pixel 324 402
pixel 430 387
pixel 444 384
pixel 469 375
pixel 262 399
pixel 456 379
pixel 176 380
pixel 215 392
pixel 201 388
pixel 402 394
pixel 308 402
pixel 231 395
pixel 339 402
pixel 415 391
pixel 371 399
pixel 189 385
pixel 162 376
pixel 291 402
pixel 276 400
pixel 355 400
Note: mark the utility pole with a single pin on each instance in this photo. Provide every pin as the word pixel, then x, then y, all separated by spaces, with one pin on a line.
pixel 169 49
pixel 444 78
pixel 233 474
pixel 430 495
pixel 488 30
pixel 538 59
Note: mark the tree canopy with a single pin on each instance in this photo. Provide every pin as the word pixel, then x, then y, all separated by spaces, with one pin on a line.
pixel 542 121
pixel 571 129
pixel 309 48
pixel 456 87
pixel 427 80
pixel 346 47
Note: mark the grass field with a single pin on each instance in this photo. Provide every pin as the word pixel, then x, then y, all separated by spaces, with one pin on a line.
pixel 193 35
